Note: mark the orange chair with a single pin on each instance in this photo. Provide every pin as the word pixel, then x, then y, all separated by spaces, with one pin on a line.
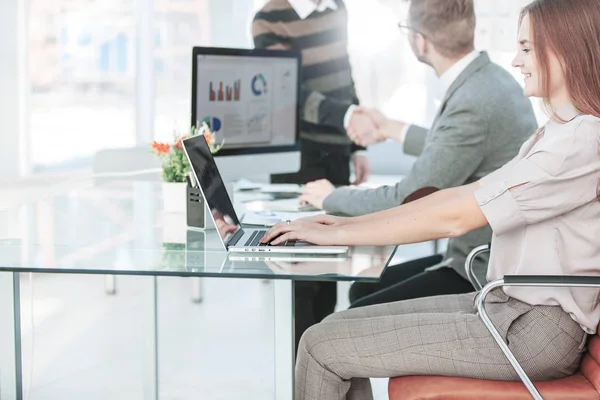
pixel 583 385
pixel 420 193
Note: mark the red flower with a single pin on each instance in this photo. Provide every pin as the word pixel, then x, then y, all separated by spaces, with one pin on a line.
pixel 160 148
pixel 178 144
pixel 210 138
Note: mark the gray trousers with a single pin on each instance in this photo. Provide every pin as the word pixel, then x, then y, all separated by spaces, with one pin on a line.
pixel 440 335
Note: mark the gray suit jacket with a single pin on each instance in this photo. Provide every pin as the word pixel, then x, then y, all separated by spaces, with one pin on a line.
pixel 481 124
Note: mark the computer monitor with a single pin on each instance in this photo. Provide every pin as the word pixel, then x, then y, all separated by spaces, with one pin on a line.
pixel 250 98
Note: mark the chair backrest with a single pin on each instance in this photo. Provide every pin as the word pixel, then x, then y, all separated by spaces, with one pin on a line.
pixel 420 193
pixel 590 365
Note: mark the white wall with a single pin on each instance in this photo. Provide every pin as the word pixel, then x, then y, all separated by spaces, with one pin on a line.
pixel 13 90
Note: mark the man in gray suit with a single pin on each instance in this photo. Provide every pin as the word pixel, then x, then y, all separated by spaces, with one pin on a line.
pixel 481 123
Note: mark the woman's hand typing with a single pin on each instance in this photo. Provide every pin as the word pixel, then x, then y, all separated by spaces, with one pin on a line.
pixel 317 232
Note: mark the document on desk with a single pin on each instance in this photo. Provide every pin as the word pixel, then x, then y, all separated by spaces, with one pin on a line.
pixel 270 218
pixel 285 205
pixel 282 188
pixel 245 185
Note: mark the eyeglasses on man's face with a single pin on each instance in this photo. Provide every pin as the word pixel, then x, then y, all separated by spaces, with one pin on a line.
pixel 406 29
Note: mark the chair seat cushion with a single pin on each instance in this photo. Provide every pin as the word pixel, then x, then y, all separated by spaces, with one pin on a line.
pixel 575 387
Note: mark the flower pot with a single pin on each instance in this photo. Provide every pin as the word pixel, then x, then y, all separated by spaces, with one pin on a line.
pixel 174 197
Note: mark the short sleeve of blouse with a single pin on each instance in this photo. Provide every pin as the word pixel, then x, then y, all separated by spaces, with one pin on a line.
pixel 559 174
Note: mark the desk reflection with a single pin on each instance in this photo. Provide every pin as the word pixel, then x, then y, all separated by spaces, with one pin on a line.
pixel 360 262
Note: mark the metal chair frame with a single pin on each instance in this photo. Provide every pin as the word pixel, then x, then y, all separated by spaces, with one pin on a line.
pixel 519 280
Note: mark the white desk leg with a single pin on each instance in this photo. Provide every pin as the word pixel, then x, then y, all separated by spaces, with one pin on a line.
pixel 284 339
pixel 110 284
pixel 11 379
pixel 150 357
pixel 197 290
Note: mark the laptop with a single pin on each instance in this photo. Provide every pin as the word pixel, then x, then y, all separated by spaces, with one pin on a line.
pixel 291 258
pixel 234 237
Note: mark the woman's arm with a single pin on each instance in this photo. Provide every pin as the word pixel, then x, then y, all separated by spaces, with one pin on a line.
pixel 440 215
pixel 447 213
pixel 434 198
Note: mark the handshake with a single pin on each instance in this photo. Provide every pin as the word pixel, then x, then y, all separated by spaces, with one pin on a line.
pixel 368 126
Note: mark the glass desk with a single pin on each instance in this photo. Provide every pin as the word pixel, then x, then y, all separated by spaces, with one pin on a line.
pixel 119 228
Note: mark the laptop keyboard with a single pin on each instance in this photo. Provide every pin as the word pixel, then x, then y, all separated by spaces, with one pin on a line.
pixel 255 238
pixel 257 235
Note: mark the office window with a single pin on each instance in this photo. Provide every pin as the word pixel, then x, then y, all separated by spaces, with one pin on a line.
pixel 386 73
pixel 81 72
pixel 497 25
pixel 181 25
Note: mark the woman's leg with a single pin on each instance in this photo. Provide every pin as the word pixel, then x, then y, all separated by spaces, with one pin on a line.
pixel 337 356
pixel 392 275
pixel 437 282
pixel 437 304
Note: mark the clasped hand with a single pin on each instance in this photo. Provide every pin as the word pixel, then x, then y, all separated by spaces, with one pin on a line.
pixel 363 128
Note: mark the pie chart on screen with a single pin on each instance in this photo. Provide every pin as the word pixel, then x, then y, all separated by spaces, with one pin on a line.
pixel 213 123
pixel 259 85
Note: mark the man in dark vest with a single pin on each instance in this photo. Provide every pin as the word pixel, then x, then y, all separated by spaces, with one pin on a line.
pixel 319 29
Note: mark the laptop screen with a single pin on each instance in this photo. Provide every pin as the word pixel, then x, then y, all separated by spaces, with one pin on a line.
pixel 212 186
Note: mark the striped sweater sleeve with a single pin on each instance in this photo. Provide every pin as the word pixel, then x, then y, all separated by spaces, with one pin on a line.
pixel 316 108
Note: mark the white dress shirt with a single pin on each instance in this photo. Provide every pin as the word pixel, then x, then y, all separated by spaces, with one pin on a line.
pixel 448 77
pixel 306 7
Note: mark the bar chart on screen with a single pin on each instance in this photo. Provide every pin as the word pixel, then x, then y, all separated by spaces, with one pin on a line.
pixel 218 91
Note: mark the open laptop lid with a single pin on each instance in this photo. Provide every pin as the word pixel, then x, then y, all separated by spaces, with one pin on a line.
pixel 212 187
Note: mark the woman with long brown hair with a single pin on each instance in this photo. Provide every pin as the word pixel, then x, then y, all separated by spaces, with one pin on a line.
pixel 544 211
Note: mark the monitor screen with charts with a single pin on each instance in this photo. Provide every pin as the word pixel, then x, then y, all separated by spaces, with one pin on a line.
pixel 249 98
